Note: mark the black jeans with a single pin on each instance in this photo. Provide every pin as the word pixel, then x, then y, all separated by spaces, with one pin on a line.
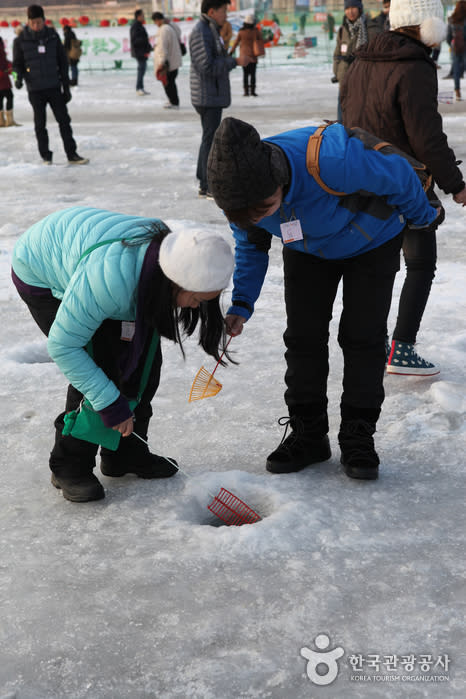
pixel 142 65
pixel 71 455
pixel 311 285
pixel 420 254
pixel 249 77
pixel 39 100
pixel 210 120
pixel 170 88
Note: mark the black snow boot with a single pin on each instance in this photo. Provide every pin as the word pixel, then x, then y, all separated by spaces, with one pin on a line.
pixel 79 488
pixel 133 456
pixel 306 444
pixel 358 455
pixel 72 462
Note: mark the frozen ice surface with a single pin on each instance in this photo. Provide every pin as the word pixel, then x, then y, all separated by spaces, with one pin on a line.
pixel 138 596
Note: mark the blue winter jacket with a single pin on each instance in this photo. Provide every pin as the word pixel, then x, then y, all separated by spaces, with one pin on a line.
pixel 333 227
pixel 210 66
pixel 101 285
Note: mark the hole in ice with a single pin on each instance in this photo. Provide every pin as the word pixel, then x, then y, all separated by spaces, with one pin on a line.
pixel 196 508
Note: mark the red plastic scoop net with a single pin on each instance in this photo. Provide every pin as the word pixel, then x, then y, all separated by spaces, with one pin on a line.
pixel 231 510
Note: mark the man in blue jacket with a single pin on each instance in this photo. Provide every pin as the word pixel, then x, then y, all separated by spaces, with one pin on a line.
pixel 39 59
pixel 210 78
pixel 352 234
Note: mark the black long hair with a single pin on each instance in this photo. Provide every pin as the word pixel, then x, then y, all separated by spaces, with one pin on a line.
pixel 160 309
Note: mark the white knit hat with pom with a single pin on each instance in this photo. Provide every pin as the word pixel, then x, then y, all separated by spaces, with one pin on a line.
pixel 427 14
pixel 197 260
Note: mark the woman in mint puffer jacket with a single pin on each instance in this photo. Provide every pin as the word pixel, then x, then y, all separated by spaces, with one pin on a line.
pixel 93 275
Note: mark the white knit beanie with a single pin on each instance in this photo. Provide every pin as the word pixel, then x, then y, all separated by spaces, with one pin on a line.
pixel 427 14
pixel 197 260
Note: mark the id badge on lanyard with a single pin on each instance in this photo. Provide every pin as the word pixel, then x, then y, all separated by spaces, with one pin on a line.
pixel 291 230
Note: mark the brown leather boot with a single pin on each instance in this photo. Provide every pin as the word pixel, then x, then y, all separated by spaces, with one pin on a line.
pixel 9 120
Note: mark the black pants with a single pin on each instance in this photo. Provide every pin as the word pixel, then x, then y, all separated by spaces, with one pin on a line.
pixel 210 120
pixel 170 88
pixel 39 100
pixel 420 254
pixel 71 455
pixel 311 285
pixel 8 96
pixel 249 77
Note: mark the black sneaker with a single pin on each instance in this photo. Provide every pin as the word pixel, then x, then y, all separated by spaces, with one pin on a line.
pixel 82 488
pixel 151 466
pixel 303 447
pixel 76 159
pixel 48 159
pixel 358 455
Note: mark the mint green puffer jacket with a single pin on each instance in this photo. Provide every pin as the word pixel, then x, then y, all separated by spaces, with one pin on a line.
pixel 104 284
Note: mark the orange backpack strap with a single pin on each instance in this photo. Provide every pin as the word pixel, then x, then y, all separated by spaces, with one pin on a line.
pixel 312 160
pixel 380 145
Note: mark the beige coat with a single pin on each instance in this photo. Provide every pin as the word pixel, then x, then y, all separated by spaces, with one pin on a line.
pixel 167 47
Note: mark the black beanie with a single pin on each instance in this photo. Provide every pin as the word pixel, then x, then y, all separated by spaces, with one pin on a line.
pixel 240 170
pixel 35 11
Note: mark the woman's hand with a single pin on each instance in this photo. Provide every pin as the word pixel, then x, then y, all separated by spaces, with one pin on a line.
pixel 234 324
pixel 125 427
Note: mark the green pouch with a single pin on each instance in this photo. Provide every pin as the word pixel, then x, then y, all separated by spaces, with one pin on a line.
pixel 85 423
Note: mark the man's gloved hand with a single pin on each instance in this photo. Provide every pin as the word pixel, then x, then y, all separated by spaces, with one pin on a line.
pixel 18 83
pixel 67 94
pixel 435 223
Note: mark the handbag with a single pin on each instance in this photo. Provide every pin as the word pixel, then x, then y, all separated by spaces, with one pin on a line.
pixel 258 47
pixel 75 51
pixel 183 48
pixel 161 74
pixel 87 424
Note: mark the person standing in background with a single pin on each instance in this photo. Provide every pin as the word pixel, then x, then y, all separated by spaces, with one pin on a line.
pixel 330 25
pixel 381 23
pixel 39 58
pixel 391 90
pixel 140 49
pixel 210 78
pixel 73 52
pixel 6 93
pixel 167 55
pixel 351 36
pixel 247 35
pixel 456 39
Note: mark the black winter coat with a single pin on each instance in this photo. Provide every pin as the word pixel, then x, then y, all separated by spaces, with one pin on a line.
pixel 39 58
pixel 140 45
pixel 391 91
